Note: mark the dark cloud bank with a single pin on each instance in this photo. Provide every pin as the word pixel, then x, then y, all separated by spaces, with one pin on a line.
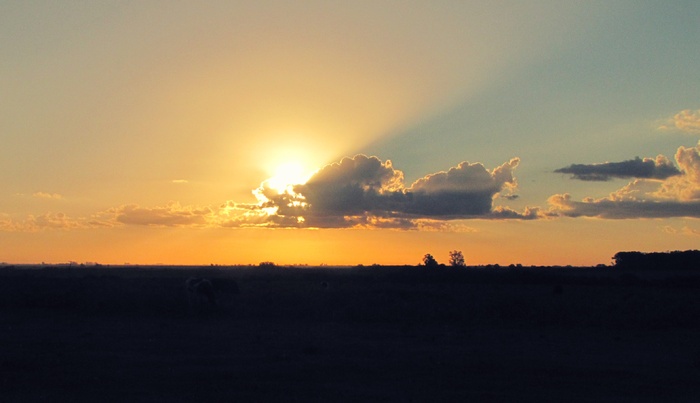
pixel 648 168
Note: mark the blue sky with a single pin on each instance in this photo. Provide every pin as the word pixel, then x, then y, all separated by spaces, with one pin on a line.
pixel 598 97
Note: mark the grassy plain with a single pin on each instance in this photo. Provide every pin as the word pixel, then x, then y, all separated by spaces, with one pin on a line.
pixel 350 334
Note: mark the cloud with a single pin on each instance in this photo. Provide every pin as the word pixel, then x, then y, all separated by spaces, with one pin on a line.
pixel 463 191
pixel 170 215
pixel 612 209
pixel 7 224
pixel 351 187
pixel 687 186
pixel 687 231
pixel 44 195
pixel 676 196
pixel 358 192
pixel 649 168
pixel 365 192
pixel 530 213
pixel 232 215
pixel 684 231
pixel 56 221
pixel 686 121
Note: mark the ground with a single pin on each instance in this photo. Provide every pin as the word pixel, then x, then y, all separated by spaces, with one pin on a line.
pixel 361 334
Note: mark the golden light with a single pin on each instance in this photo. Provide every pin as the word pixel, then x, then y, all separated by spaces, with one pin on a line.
pixel 288 174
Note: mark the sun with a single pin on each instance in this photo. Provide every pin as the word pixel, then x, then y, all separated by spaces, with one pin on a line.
pixel 288 174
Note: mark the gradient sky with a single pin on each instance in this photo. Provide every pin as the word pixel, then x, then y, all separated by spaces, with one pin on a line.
pixel 539 132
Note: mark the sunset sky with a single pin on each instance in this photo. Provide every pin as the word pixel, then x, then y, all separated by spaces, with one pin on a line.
pixel 342 133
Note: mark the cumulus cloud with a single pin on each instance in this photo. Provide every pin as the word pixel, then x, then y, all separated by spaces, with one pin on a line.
pixel 676 196
pixel 465 190
pixel 350 187
pixel 648 168
pixel 365 192
pixel 686 121
pixel 687 186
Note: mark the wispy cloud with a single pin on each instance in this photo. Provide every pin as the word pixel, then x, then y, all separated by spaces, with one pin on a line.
pixel 45 195
pixel 649 168
pixel 686 121
pixel 622 209
pixel 676 196
pixel 170 215
pixel 685 231
pixel 47 221
pixel 690 231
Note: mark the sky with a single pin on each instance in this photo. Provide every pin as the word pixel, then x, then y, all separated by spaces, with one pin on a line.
pixel 342 133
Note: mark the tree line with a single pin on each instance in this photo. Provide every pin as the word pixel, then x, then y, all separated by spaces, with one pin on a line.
pixel 682 260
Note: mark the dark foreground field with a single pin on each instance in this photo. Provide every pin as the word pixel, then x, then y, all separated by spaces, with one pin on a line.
pixel 365 334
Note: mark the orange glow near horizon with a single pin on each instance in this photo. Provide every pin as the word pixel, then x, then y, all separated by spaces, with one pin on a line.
pixel 485 244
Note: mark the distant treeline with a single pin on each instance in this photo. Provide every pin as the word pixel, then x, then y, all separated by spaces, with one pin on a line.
pixel 685 260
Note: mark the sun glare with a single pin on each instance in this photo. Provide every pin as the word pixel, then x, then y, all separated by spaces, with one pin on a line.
pixel 287 175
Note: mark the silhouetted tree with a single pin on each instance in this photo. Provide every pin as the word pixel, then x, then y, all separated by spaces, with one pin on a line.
pixel 628 259
pixel 456 258
pixel 429 261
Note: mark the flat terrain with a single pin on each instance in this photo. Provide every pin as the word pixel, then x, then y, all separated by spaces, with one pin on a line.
pixel 363 334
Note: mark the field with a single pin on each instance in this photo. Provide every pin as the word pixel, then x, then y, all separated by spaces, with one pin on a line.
pixel 350 334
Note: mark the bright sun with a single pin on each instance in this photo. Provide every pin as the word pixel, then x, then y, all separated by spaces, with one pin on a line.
pixel 288 174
